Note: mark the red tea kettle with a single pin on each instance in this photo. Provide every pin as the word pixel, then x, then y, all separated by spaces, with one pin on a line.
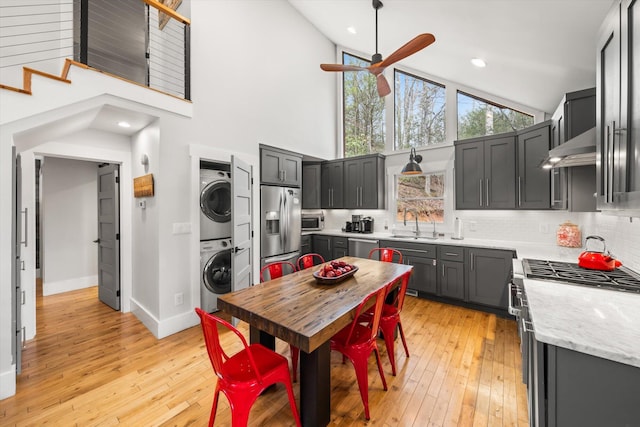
pixel 594 260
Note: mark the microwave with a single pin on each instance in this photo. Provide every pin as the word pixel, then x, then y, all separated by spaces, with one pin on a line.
pixel 312 222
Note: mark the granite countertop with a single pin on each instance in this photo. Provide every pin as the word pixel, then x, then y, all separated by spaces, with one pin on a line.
pixel 599 322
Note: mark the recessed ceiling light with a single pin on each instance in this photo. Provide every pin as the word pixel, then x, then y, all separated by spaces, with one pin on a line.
pixel 479 62
pixel 352 30
pixel 555 159
pixel 124 124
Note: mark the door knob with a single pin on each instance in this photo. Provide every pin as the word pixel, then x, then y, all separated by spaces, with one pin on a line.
pixel 97 240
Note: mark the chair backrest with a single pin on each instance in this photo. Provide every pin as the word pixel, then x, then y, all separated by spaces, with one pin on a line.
pixel 276 269
pixel 309 260
pixel 216 353
pixel 374 322
pixel 386 255
pixel 402 292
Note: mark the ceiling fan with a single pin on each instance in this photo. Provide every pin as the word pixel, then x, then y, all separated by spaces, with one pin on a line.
pixel 378 64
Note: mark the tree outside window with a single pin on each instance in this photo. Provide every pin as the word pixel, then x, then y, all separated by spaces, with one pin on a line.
pixel 364 126
pixel 419 111
pixel 421 195
pixel 479 117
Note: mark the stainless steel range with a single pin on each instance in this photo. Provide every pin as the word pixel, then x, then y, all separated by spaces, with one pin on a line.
pixel 620 279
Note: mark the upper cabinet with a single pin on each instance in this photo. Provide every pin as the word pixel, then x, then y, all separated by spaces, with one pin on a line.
pixel 332 183
pixel 617 112
pixel 280 167
pixel 311 185
pixel 533 182
pixel 573 188
pixel 364 182
pixel 485 172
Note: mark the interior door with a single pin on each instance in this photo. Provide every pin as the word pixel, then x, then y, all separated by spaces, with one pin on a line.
pixel 17 240
pixel 241 224
pixel 109 235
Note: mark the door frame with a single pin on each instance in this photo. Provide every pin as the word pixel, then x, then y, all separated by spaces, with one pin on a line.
pixel 86 153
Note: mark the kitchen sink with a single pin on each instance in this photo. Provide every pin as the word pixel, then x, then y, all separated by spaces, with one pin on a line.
pixel 413 237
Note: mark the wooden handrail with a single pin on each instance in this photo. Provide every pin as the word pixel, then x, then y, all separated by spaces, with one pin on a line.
pixel 167 10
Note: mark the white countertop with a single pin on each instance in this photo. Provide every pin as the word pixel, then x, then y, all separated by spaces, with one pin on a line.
pixel 599 322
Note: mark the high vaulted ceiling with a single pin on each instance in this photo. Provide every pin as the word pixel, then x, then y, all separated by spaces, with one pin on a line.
pixel 535 50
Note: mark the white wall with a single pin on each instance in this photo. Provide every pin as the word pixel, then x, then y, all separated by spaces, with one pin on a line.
pixel 69 225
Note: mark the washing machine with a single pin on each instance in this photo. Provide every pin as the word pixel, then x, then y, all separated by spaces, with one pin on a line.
pixel 215 272
pixel 215 204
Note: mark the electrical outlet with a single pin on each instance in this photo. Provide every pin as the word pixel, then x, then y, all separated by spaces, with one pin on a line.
pixel 178 298
pixel 472 225
pixel 544 228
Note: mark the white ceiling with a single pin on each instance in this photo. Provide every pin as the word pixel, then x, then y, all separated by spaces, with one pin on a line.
pixel 536 50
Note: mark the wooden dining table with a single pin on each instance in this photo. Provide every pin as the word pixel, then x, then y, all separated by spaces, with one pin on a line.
pixel 305 313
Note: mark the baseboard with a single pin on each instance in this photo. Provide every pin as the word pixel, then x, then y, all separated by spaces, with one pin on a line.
pixel 164 328
pixel 8 383
pixel 60 286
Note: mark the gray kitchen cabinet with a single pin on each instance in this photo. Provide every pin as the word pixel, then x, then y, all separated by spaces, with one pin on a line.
pixel 280 167
pixel 340 247
pixel 311 185
pixel 573 187
pixel 364 182
pixel 451 272
pixel 488 273
pixel 305 244
pixel 423 259
pixel 322 245
pixel 485 172
pixel 332 185
pixel 534 182
pixel 617 110
pixel 570 388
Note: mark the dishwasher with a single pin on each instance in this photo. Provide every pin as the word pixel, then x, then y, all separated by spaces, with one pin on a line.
pixel 361 247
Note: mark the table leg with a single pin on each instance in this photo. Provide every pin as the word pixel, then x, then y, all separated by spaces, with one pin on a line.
pixel 315 386
pixel 256 336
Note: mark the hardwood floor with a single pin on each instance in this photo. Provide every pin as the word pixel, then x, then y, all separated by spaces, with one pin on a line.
pixel 91 366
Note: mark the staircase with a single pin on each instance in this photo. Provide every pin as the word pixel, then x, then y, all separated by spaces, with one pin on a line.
pixel 27 74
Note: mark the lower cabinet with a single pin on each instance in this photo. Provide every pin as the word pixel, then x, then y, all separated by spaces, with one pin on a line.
pixel 330 247
pixel 570 388
pixel 423 259
pixel 451 271
pixel 488 274
pixel 305 244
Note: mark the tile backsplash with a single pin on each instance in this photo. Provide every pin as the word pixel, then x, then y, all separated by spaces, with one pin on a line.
pixel 621 234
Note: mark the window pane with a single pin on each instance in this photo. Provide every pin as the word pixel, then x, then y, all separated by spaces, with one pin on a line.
pixel 419 112
pixel 364 127
pixel 478 117
pixel 422 195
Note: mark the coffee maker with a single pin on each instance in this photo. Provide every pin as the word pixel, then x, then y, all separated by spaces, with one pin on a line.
pixel 356 223
pixel 367 224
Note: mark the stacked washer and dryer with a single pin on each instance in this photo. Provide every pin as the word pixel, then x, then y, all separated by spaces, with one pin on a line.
pixel 215 236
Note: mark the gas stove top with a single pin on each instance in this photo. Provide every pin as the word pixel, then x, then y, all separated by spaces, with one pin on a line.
pixel 620 279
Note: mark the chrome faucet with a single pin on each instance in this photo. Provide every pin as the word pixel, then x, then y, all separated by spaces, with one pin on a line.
pixel 433 221
pixel 415 214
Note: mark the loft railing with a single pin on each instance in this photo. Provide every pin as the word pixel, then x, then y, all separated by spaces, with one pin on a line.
pixel 144 41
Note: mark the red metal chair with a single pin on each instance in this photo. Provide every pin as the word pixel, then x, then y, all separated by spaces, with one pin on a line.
pixel 275 270
pixel 246 374
pixel 357 341
pixel 309 260
pixel 386 255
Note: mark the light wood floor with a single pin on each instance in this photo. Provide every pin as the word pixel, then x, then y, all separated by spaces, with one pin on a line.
pixel 91 366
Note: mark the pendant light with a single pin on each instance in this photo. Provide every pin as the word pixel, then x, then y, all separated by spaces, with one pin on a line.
pixel 413 167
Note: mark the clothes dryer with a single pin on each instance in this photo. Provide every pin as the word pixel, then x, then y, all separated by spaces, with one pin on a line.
pixel 215 204
pixel 215 272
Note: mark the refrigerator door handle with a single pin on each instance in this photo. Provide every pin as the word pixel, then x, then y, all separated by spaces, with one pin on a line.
pixel 281 222
pixel 285 221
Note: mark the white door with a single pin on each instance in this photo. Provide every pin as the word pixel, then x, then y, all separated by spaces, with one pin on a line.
pixel 109 235
pixel 241 223
pixel 17 235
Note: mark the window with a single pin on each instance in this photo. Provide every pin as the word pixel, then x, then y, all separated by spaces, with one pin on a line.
pixel 421 195
pixel 479 117
pixel 419 111
pixel 364 126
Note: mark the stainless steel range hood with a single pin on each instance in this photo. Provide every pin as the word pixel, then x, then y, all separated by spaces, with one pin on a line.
pixel 578 151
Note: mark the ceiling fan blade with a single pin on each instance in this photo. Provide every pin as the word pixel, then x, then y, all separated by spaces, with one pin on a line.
pixel 383 85
pixel 416 44
pixel 341 67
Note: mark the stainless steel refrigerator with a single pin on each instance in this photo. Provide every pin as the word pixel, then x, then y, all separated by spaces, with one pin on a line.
pixel 279 224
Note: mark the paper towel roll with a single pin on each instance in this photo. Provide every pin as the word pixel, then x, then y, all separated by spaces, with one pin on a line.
pixel 457 229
